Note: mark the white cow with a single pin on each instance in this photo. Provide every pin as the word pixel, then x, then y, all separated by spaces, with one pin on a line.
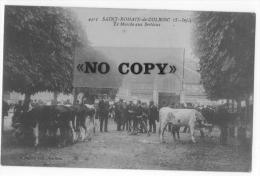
pixel 180 117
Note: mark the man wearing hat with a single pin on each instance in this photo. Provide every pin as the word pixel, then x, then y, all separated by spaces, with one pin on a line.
pixel 153 116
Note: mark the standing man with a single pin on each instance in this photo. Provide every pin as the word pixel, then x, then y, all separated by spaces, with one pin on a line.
pixel 153 116
pixel 139 115
pixel 103 114
pixel 118 115
pixel 145 115
pixel 124 117
pixel 131 116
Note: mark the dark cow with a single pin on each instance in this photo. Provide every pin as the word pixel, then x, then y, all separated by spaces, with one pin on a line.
pixel 64 119
pixel 43 119
pixel 35 121
pixel 220 118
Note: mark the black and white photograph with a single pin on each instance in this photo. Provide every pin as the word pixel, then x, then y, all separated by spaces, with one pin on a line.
pixel 117 88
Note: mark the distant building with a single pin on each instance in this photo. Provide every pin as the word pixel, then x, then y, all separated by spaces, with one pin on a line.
pixel 181 87
pixel 152 86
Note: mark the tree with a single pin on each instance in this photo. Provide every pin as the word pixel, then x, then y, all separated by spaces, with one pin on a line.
pixel 38 49
pixel 224 43
pixel 39 46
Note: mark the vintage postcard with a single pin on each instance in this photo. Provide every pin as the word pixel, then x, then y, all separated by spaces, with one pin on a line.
pixel 128 88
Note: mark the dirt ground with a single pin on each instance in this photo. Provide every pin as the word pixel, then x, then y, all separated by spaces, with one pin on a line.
pixel 123 151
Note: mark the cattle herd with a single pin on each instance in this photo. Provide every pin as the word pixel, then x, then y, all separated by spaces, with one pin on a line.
pixel 69 123
pixel 41 122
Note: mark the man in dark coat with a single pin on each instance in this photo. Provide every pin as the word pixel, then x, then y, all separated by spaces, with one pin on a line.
pixel 131 116
pixel 139 114
pixel 103 114
pixel 124 116
pixel 153 116
pixel 118 115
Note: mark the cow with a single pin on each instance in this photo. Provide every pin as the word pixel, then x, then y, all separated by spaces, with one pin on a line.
pixel 84 114
pixel 220 118
pixel 64 120
pixel 180 117
pixel 35 121
pixel 46 119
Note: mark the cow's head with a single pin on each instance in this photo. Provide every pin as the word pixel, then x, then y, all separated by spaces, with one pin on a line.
pixel 202 123
pixel 199 117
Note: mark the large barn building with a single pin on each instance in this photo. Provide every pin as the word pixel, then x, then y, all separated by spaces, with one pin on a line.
pixel 181 87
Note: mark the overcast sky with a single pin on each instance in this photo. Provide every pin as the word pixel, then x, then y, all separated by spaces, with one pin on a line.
pixel 169 36
pixel 105 34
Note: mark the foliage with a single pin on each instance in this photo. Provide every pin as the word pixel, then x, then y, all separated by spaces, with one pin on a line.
pixel 224 43
pixel 38 49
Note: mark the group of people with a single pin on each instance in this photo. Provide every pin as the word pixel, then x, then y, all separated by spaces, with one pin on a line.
pixel 130 116
pixel 134 117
